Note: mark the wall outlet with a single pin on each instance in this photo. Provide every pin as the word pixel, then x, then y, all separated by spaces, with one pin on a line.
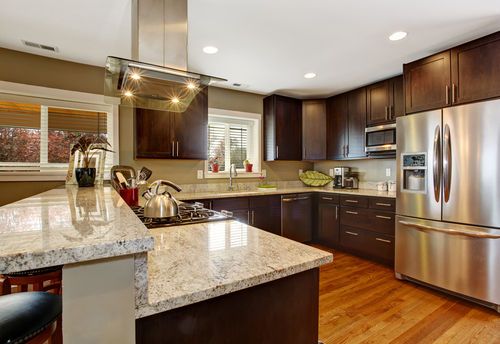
pixel 388 172
pixel 264 173
pixel 331 172
pixel 301 171
pixel 200 174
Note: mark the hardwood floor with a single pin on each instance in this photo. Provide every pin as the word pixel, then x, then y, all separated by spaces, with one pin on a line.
pixel 362 302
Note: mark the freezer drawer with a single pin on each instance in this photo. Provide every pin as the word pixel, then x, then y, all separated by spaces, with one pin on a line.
pixel 462 259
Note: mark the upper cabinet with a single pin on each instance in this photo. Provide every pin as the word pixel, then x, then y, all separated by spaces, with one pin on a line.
pixel 314 130
pixel 384 101
pixel 467 73
pixel 345 125
pixel 282 128
pixel 169 135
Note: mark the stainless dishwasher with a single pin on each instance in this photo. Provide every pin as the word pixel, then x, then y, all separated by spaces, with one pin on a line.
pixel 296 217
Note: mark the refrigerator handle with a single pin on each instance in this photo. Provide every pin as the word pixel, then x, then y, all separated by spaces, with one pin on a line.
pixel 451 231
pixel 436 165
pixel 447 163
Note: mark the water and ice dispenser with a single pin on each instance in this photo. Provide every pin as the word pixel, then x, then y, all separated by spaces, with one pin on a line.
pixel 413 173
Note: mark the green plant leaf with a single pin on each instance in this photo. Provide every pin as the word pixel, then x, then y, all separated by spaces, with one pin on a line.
pixel 315 178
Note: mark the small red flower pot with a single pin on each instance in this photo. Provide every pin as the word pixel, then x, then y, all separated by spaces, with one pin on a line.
pixel 215 168
pixel 248 167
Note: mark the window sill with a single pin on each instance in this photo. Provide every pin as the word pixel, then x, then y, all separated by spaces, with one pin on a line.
pixel 225 175
pixel 31 177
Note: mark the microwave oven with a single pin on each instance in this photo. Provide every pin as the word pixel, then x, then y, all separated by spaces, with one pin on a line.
pixel 381 140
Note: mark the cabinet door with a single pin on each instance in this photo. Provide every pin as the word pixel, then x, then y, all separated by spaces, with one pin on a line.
pixel 377 103
pixel 288 128
pixel 314 130
pixel 396 98
pixel 475 70
pixel 328 222
pixel 191 129
pixel 268 219
pixel 427 83
pixel 336 124
pixel 242 215
pixel 153 137
pixel 356 119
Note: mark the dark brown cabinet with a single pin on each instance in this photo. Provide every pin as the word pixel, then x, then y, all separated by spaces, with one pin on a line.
pixel 314 130
pixel 328 219
pixel 346 122
pixel 384 101
pixel 282 128
pixel 475 72
pixel 169 135
pixel 427 83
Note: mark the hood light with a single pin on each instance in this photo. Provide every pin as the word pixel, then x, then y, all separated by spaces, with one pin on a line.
pixel 191 86
pixel 210 50
pixel 128 94
pixel 396 36
pixel 175 100
pixel 310 75
pixel 135 76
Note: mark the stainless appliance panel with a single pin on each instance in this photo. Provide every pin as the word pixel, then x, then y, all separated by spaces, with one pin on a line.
pixel 463 259
pixel 296 217
pixel 416 134
pixel 471 180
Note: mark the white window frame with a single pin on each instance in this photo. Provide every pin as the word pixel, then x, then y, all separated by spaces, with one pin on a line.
pixel 241 172
pixel 28 94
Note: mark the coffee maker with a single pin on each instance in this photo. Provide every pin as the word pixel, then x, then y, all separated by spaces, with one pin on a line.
pixel 341 174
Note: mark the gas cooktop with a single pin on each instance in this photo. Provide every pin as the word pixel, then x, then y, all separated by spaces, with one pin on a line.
pixel 189 213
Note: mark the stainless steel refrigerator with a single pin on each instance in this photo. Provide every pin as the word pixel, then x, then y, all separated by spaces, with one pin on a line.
pixel 448 200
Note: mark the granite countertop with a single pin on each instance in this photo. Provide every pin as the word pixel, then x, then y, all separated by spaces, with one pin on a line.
pixel 280 191
pixel 192 263
pixel 68 225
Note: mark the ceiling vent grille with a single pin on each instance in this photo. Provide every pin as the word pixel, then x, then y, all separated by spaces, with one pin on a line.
pixel 40 46
pixel 237 84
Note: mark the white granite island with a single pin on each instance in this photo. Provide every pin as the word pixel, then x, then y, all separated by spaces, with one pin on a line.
pixel 110 279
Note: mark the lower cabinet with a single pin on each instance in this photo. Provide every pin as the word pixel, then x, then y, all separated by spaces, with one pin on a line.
pixel 368 242
pixel 328 219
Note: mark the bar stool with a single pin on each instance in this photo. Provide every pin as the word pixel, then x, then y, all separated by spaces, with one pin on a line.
pixel 29 317
pixel 37 278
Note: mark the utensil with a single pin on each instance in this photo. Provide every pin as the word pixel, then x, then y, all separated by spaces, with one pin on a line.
pixel 144 174
pixel 126 171
pixel 122 180
pixel 161 205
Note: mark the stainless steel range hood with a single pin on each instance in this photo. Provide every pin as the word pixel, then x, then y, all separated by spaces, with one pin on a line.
pixel 159 80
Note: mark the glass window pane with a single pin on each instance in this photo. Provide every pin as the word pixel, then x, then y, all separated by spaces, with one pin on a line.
pixel 19 145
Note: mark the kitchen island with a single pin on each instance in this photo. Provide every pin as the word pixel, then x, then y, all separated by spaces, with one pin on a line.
pixel 116 270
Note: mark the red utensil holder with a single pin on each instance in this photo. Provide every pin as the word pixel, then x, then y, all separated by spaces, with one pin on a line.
pixel 130 196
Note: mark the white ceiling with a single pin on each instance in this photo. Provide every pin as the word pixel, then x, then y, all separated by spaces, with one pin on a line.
pixel 267 44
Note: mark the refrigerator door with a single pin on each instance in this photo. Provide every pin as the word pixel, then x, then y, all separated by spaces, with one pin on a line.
pixel 420 134
pixel 471 164
pixel 459 258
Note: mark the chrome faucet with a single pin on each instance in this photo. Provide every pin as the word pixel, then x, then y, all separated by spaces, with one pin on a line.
pixel 231 186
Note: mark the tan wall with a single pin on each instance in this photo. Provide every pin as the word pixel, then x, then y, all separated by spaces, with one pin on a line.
pixel 14 191
pixel 184 172
pixel 372 170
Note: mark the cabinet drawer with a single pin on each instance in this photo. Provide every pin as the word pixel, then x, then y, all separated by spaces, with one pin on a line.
pixel 379 245
pixel 354 201
pixel 328 198
pixel 387 204
pixel 230 203
pixel 265 201
pixel 368 219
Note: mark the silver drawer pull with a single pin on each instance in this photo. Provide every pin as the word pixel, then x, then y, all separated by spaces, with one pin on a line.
pixel 383 240
pixel 351 201
pixel 384 204
pixel 384 217
pixel 328 198
pixel 351 212
pixel 346 232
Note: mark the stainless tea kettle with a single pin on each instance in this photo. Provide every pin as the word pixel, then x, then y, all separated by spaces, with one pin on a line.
pixel 161 205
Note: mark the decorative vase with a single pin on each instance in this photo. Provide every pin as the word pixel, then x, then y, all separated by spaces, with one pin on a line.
pixel 215 168
pixel 85 176
pixel 248 167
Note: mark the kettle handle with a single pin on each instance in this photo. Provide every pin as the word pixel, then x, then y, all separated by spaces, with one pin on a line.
pixel 165 182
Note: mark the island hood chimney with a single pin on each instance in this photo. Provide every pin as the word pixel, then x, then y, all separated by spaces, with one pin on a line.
pixel 156 77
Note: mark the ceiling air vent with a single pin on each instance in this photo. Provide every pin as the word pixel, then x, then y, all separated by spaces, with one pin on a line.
pixel 237 84
pixel 41 46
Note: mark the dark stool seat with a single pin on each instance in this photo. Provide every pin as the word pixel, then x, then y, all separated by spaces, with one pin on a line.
pixel 25 315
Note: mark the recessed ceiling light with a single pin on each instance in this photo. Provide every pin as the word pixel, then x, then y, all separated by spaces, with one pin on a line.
pixel 210 50
pixel 310 75
pixel 128 94
pixel 396 36
pixel 175 100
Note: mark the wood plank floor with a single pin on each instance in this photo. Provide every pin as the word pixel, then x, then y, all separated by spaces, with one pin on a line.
pixel 362 302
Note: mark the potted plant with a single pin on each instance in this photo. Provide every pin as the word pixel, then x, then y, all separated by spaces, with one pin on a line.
pixel 248 166
pixel 218 157
pixel 87 146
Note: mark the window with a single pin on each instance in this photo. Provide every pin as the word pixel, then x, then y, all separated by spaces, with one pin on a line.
pixel 233 137
pixel 33 130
